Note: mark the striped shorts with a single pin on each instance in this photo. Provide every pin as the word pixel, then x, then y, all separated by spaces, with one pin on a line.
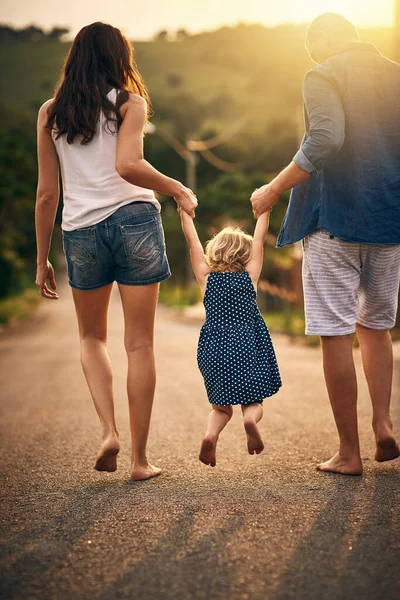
pixel 347 283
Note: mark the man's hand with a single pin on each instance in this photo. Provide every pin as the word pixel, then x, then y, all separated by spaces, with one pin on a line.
pixel 43 273
pixel 263 199
pixel 186 199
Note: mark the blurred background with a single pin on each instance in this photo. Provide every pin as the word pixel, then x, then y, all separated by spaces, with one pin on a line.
pixel 225 80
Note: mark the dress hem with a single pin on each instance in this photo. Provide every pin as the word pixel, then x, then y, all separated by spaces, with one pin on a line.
pixel 245 403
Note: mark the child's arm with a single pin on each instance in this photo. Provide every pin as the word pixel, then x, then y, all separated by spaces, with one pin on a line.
pixel 199 263
pixel 254 266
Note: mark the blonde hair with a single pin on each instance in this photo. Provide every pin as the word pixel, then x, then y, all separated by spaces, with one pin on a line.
pixel 229 250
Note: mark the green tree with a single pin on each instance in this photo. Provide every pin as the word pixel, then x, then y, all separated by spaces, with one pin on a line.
pixel 17 201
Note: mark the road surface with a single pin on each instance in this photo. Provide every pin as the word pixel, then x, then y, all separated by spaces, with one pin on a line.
pixel 255 527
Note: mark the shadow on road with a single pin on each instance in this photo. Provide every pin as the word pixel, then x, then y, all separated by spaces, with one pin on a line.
pixel 28 555
pixel 339 559
pixel 196 572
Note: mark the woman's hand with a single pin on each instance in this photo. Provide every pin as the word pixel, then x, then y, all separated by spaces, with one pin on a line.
pixel 186 200
pixel 44 273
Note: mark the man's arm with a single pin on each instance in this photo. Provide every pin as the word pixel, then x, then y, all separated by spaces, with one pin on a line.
pixel 324 139
pixel 326 118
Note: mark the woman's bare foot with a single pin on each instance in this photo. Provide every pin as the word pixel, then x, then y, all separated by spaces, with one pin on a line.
pixel 143 472
pixel 107 458
pixel 208 450
pixel 255 443
pixel 337 464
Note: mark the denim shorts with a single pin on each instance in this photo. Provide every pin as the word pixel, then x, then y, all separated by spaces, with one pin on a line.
pixel 128 247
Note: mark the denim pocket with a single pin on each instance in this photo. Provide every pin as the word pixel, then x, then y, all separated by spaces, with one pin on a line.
pixel 142 241
pixel 80 247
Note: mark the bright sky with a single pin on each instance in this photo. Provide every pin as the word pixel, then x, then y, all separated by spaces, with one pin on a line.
pixel 140 20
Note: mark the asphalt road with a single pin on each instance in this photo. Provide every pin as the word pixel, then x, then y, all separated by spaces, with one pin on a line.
pixel 255 527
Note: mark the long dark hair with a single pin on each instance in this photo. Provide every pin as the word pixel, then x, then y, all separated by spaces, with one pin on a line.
pixel 100 58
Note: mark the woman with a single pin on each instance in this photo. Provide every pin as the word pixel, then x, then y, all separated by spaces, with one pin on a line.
pixel 112 231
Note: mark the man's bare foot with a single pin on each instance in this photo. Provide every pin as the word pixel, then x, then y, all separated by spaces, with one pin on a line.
pixel 337 464
pixel 208 450
pixel 143 472
pixel 107 458
pixel 387 449
pixel 255 443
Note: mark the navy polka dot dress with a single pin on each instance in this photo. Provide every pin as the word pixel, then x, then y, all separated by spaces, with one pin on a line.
pixel 235 352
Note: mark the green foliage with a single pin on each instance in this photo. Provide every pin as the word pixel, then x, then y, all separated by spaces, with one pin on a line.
pixel 18 307
pixel 178 295
pixel 17 197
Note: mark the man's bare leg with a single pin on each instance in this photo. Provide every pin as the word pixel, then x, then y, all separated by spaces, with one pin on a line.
pixel 341 382
pixel 377 356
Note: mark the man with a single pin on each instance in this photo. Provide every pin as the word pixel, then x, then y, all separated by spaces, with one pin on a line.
pixel 345 206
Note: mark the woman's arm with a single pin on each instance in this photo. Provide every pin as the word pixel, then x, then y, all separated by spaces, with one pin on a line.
pixel 255 264
pixel 199 263
pixel 47 197
pixel 130 162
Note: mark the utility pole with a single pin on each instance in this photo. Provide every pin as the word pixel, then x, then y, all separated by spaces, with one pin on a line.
pixel 191 162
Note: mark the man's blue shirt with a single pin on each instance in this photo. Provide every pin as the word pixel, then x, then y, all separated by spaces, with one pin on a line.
pixel 351 149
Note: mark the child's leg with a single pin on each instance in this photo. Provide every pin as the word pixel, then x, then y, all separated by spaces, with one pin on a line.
pixel 217 419
pixel 252 414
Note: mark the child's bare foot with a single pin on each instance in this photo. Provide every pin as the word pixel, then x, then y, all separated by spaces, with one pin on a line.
pixel 255 443
pixel 107 458
pixel 338 464
pixel 208 450
pixel 143 472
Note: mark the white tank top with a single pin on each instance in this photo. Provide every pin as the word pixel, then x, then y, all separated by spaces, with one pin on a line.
pixel 92 188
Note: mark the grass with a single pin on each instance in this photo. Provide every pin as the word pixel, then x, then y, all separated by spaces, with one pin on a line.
pixel 292 323
pixel 21 306
pixel 289 322
pixel 179 296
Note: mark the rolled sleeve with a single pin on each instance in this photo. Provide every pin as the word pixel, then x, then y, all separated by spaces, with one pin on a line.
pixel 326 123
pixel 302 161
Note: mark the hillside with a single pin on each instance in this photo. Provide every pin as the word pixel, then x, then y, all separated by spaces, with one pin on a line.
pixel 216 76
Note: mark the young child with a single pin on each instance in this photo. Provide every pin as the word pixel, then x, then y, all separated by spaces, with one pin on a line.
pixel 235 352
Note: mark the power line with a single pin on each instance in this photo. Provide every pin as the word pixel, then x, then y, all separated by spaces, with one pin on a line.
pixel 187 152
pixel 220 164
pixel 219 139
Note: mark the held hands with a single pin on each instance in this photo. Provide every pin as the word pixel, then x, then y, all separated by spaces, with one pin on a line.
pixel 263 199
pixel 186 200
pixel 44 273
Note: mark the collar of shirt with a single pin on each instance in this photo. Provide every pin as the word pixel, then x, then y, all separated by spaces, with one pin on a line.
pixel 361 46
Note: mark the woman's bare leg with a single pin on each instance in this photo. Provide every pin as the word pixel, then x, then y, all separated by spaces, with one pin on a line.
pixel 217 420
pixel 139 304
pixel 252 414
pixel 91 309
